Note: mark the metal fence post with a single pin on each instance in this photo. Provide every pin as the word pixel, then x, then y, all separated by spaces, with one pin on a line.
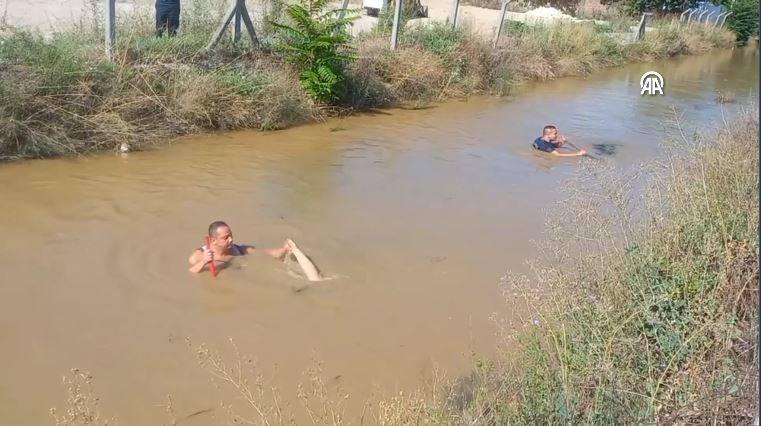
pixel 723 21
pixel 239 12
pixel 708 17
pixel 455 10
pixel 642 25
pixel 689 17
pixel 700 17
pixel 501 21
pixel 344 5
pixel 718 17
pixel 681 17
pixel 110 11
pixel 238 22
pixel 395 28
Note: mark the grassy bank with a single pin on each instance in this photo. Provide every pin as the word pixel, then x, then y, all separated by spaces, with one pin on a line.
pixel 637 318
pixel 58 96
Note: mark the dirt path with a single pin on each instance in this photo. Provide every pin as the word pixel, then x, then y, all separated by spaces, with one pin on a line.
pixel 42 14
pixel 50 16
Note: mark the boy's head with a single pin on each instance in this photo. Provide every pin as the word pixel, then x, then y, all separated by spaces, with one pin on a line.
pixel 550 132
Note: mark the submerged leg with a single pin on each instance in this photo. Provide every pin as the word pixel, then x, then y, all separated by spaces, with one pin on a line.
pixel 309 269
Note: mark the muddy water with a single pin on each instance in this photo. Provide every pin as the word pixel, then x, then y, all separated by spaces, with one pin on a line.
pixel 414 216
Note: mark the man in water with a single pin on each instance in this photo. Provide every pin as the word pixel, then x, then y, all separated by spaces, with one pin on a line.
pixel 222 249
pixel 551 141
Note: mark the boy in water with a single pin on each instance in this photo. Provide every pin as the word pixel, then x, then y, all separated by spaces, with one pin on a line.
pixel 550 141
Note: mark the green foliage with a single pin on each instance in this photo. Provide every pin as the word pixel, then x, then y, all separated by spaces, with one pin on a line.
pixel 274 12
pixel 243 84
pixel 184 47
pixel 514 28
pixel 604 27
pixel 744 19
pixel 445 42
pixel 58 63
pixel 200 15
pixel 638 6
pixel 438 38
pixel 317 42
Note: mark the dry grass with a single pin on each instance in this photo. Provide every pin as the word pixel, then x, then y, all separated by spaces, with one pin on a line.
pixel 592 9
pixel 259 402
pixel 76 104
pixel 672 38
pixel 82 404
pixel 413 73
pixel 560 50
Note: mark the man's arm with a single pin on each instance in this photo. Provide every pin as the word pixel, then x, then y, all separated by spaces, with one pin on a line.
pixel 198 260
pixel 277 253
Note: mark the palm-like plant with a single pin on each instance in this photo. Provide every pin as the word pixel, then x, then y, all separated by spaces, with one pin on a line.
pixel 316 41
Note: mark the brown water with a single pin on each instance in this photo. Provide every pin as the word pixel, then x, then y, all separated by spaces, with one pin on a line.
pixel 415 216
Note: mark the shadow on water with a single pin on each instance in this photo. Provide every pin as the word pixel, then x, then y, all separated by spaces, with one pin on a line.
pixel 606 149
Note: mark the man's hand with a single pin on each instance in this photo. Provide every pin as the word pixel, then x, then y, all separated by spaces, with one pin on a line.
pixel 208 256
pixel 280 253
pixel 561 140
pixel 197 266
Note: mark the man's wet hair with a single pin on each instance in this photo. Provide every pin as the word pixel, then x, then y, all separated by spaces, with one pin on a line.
pixel 215 226
pixel 547 128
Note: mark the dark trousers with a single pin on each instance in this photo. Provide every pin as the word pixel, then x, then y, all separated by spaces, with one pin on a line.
pixel 167 18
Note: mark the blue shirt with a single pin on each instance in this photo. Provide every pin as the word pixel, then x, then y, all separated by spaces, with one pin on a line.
pixel 543 145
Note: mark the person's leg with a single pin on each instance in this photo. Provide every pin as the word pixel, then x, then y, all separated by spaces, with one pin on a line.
pixel 173 22
pixel 161 20
pixel 309 269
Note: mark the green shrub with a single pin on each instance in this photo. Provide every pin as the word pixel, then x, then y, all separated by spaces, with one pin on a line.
pixel 241 83
pixel 438 38
pixel 317 43
pixel 514 28
pixel 184 47
pixel 60 62
pixel 744 19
